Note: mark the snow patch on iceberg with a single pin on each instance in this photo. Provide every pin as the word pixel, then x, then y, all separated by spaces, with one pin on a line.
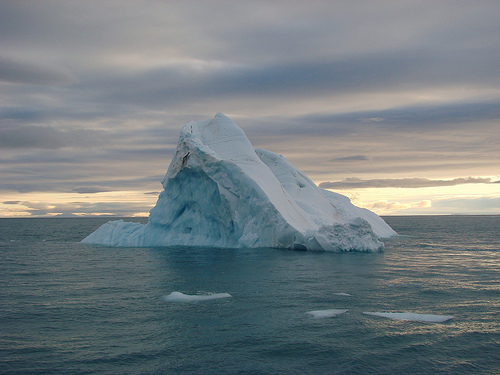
pixel 221 192
pixel 413 316
pixel 181 297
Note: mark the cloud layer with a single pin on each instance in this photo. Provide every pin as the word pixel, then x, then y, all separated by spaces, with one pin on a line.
pixel 395 93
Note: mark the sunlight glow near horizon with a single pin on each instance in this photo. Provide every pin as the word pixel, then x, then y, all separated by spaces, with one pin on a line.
pixel 383 201
pixel 116 203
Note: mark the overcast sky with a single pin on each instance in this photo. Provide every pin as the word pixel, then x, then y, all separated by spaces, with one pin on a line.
pixel 395 104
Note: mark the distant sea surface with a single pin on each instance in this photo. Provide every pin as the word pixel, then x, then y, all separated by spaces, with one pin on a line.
pixel 69 308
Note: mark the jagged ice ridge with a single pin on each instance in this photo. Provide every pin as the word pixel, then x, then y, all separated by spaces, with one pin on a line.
pixel 221 192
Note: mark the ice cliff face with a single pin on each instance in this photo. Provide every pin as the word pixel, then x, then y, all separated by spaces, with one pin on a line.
pixel 220 192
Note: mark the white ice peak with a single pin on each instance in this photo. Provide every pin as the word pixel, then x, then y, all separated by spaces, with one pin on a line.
pixel 220 192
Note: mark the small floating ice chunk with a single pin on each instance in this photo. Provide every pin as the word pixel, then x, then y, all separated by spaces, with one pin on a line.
pixel 413 316
pixel 342 294
pixel 326 313
pixel 181 297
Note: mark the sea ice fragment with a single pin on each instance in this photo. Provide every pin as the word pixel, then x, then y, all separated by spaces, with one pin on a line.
pixel 326 313
pixel 181 297
pixel 412 316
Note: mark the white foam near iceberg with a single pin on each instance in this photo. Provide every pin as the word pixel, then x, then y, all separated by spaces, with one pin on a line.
pixel 221 192
pixel 318 314
pixel 413 316
pixel 181 297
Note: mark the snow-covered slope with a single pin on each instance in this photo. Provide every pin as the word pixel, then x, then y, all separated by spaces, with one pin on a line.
pixel 220 192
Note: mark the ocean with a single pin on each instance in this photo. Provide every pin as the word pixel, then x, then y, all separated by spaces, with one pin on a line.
pixel 69 308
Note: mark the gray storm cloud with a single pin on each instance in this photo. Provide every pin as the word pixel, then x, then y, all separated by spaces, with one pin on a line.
pixel 29 136
pixel 19 71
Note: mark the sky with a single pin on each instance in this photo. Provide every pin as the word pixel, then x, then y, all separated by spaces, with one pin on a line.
pixel 395 104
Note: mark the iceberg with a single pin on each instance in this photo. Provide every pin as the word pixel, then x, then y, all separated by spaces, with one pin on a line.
pixel 221 192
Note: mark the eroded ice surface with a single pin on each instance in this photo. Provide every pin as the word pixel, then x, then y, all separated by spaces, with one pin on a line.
pixel 221 192
pixel 181 297
pixel 413 316
pixel 318 314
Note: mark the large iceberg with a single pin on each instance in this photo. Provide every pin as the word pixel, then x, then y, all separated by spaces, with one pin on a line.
pixel 221 192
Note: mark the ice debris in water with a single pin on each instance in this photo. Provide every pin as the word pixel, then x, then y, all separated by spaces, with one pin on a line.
pixel 221 192
pixel 413 316
pixel 181 297
pixel 342 294
pixel 326 313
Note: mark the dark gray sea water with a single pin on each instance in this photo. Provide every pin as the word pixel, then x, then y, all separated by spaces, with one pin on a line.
pixel 69 308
